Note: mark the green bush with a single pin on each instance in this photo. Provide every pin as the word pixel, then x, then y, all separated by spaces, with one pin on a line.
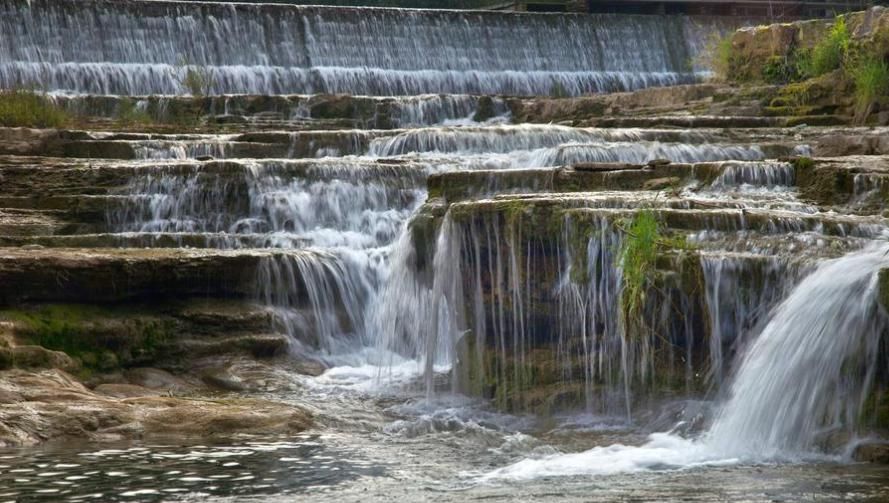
pixel 197 79
pixel 780 70
pixel 829 53
pixel 128 112
pixel 717 55
pixel 870 75
pixel 26 108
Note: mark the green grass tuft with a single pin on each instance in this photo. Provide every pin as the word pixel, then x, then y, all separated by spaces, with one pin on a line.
pixel 26 108
pixel 717 56
pixel 829 53
pixel 871 77
pixel 128 112
pixel 637 261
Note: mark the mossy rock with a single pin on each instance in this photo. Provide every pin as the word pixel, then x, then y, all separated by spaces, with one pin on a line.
pixel 484 109
pixel 100 338
pixel 823 184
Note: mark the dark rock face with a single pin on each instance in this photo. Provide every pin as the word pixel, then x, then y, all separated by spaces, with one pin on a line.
pixel 875 452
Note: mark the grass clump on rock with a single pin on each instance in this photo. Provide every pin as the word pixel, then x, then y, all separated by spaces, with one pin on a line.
pixel 870 75
pixel 643 244
pixel 638 255
pixel 829 53
pixel 27 108
pixel 717 56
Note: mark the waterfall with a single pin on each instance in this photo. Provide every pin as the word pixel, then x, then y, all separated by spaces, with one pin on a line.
pixel 511 304
pixel 740 295
pixel 809 371
pixel 140 47
pixel 804 379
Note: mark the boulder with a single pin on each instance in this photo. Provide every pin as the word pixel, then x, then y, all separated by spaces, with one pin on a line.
pixel 872 452
pixel 60 407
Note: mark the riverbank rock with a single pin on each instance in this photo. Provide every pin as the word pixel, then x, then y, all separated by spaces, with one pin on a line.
pixel 51 404
pixel 872 452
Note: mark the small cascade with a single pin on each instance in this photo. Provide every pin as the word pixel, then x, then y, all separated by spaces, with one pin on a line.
pixel 342 215
pixel 641 153
pixel 216 148
pixel 335 286
pixel 589 304
pixel 274 203
pixel 770 175
pixel 808 373
pixel 286 110
pixel 500 139
pixel 535 146
pixel 178 202
pixel 512 304
pixel 447 109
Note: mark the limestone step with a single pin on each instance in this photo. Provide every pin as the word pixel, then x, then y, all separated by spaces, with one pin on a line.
pixel 124 275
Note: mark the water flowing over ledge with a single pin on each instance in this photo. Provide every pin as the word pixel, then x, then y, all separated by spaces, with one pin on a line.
pixel 142 47
pixel 824 338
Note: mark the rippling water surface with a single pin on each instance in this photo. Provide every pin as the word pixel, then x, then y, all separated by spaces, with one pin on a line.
pixel 377 442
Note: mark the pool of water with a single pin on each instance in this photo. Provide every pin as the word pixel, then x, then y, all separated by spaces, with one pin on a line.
pixel 377 442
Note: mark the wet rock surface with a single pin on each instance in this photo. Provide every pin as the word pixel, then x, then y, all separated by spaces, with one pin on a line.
pixel 50 404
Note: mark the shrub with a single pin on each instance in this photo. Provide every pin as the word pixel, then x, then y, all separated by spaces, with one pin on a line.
pixel 197 79
pixel 128 112
pixel 829 53
pixel 870 75
pixel 780 70
pixel 717 55
pixel 27 108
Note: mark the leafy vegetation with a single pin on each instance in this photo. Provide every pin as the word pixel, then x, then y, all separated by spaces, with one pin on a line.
pixel 828 54
pixel 780 70
pixel 643 243
pixel 28 108
pixel 197 79
pixel 128 112
pixel 871 78
pixel 637 261
pixel 717 55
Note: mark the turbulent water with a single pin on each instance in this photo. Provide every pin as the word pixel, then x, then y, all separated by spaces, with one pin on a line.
pixel 141 48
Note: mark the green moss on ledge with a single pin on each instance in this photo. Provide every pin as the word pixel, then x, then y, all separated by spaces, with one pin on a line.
pixel 100 338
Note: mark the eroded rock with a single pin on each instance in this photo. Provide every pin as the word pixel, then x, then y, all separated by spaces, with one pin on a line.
pixel 49 404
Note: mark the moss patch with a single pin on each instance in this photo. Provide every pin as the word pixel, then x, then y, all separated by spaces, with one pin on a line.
pixel 99 338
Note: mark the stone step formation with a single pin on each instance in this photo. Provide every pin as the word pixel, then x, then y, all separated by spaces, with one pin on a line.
pixel 602 252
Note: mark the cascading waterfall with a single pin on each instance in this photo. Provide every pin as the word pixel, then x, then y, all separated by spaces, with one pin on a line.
pixel 333 222
pixel 739 300
pixel 805 378
pixel 484 300
pixel 809 371
pixel 141 48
